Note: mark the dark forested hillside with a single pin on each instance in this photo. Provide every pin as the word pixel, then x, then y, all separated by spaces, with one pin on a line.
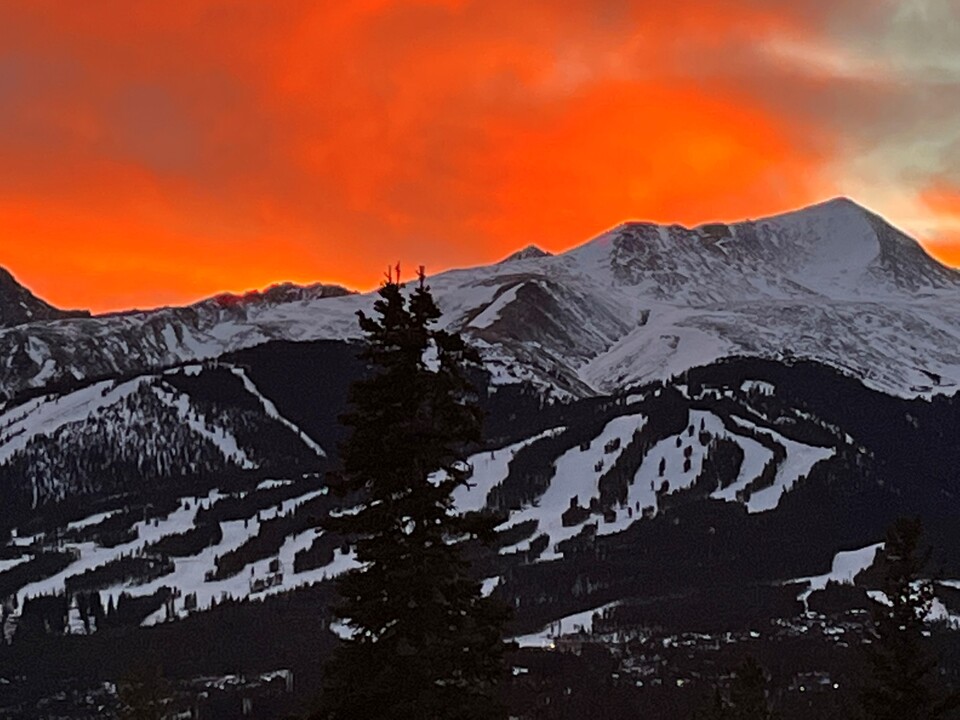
pixel 684 523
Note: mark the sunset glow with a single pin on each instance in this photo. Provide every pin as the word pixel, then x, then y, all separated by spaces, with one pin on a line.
pixel 157 153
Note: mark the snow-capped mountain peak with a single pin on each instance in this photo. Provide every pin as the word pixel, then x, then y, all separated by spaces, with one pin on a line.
pixel 836 249
pixel 833 282
pixel 530 251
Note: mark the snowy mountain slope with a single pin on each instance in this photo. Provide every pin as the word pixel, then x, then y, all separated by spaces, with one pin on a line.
pixel 114 435
pixel 831 282
pixel 574 484
pixel 162 485
pixel 903 347
pixel 835 250
pixel 187 577
pixel 731 482
pixel 675 461
pixel 63 352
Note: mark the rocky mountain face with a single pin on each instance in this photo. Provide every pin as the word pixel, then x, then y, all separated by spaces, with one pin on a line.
pixel 18 305
pixel 280 293
pixel 832 282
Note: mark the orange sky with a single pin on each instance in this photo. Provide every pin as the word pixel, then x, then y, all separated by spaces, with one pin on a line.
pixel 159 152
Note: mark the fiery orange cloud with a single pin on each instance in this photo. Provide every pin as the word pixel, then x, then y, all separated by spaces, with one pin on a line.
pixel 158 153
pixel 667 154
pixel 943 199
pixel 946 248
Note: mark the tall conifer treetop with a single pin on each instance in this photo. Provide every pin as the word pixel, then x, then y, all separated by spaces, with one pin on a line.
pixel 424 641
pixel 904 682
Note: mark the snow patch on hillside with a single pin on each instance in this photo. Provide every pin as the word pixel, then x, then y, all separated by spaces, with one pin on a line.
pixel 13 562
pixel 91 520
pixel 668 346
pixel 576 475
pixel 798 463
pixel 489 470
pixel 581 622
pixel 846 564
pixel 491 313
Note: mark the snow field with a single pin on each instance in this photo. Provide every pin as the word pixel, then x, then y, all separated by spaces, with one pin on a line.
pixel 668 343
pixel 799 461
pixel 45 415
pixel 223 440
pixel 491 313
pixel 489 585
pixel 91 555
pixel 91 520
pixel 647 479
pixel 272 483
pixel 189 573
pixel 755 458
pixel 575 475
pixel 13 562
pixel 941 613
pixel 846 565
pixel 569 625
pixel 489 470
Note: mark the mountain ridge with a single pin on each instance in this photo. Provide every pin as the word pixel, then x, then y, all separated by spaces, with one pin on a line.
pixel 832 282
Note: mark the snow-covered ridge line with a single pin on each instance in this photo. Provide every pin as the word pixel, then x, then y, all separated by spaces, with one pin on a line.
pixel 52 445
pixel 641 302
pixel 44 416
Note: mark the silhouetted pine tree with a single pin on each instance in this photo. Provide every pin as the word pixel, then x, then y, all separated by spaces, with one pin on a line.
pixel 713 709
pixel 746 699
pixel 903 682
pixel 425 643
pixel 143 695
pixel 748 693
